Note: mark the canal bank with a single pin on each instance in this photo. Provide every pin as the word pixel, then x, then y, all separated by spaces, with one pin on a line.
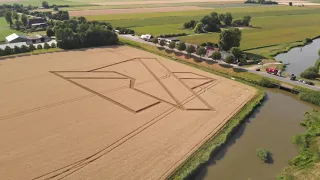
pixel 271 126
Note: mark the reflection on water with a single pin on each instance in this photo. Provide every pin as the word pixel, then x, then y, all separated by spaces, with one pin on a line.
pixel 271 126
pixel 300 58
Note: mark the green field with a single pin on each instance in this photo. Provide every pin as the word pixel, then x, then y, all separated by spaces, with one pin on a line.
pixel 38 2
pixel 5 29
pixel 274 24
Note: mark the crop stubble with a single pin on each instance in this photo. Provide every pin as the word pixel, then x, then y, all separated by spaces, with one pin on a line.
pixel 107 113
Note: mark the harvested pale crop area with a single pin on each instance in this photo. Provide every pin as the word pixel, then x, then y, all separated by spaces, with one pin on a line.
pixel 133 11
pixel 107 113
pixel 99 2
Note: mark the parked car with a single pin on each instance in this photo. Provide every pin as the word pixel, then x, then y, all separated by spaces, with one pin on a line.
pixel 146 37
pixel 272 71
pixel 168 41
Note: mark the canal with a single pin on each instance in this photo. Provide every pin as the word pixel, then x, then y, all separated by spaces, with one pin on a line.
pixel 300 58
pixel 271 126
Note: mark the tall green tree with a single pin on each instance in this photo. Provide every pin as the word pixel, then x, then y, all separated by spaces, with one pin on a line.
pixel 216 55
pixel 15 15
pixel 18 24
pixel 236 52
pixel 229 59
pixel 50 32
pixel 198 28
pixel 221 17
pixel 227 19
pixel 190 49
pixel 172 45
pixel 45 4
pixel 24 19
pixel 230 38
pixel 8 17
pixel 155 41
pixel 182 46
pixel 246 20
pixel 162 43
pixel 201 51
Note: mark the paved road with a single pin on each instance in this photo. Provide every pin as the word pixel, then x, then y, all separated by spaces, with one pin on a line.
pixel 282 79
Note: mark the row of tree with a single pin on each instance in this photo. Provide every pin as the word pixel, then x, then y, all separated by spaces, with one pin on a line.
pixel 260 2
pixel 229 41
pixel 24 49
pixel 78 33
pixel 214 22
pixel 13 18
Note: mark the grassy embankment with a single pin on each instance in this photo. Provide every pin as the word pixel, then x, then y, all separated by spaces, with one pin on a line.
pixel 307 164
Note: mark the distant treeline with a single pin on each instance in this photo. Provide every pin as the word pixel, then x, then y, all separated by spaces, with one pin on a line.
pixel 78 33
pixel 214 21
pixel 260 2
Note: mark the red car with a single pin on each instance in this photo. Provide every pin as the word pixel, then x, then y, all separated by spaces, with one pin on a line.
pixel 272 71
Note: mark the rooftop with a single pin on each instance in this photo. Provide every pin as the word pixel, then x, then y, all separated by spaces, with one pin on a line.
pixel 15 36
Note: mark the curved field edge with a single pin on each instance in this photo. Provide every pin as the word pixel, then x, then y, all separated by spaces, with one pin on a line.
pixel 284 48
pixel 199 159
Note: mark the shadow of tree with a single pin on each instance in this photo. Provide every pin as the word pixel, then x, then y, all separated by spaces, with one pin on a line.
pixel 239 70
pixel 225 65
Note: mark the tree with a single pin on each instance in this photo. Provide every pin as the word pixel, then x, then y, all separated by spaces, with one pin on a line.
pixel 263 154
pixel 201 51
pixel 310 73
pixel 230 38
pixel 15 15
pixel 50 32
pixel 2 52
pixel 182 46
pixel 18 24
pixel 162 43
pixel 8 17
pixel 319 52
pixel 24 19
pixel 31 47
pixel 216 55
pixel 16 50
pixel 172 45
pixel 190 49
pixel 155 41
pixel 45 4
pixel 198 28
pixel 229 59
pixel 53 45
pixel 39 46
pixel 221 17
pixel 56 8
pixel 8 50
pixel 227 19
pixel 46 46
pixel 246 20
pixel 290 3
pixel 24 49
pixel 236 52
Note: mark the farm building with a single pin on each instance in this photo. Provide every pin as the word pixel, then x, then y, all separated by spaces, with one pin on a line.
pixel 14 38
pixel 36 39
pixel 36 21
pixel 39 25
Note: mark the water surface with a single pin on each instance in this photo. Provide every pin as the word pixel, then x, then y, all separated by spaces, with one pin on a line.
pixel 271 126
pixel 300 58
